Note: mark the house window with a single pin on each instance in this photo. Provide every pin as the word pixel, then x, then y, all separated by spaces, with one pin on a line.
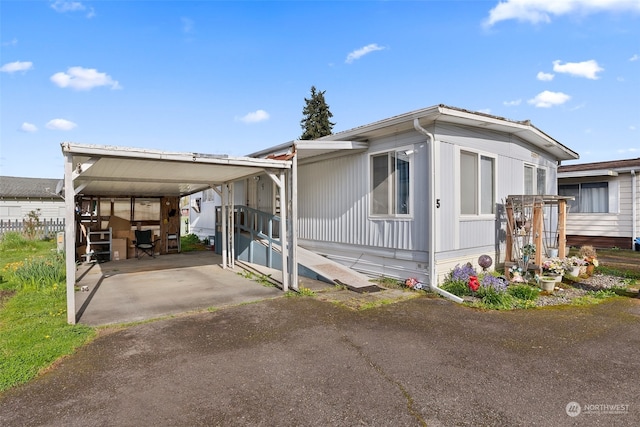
pixel 208 195
pixel 535 180
pixel 477 184
pixel 590 197
pixel 390 186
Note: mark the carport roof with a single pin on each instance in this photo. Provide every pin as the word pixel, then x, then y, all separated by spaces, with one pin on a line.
pixel 124 171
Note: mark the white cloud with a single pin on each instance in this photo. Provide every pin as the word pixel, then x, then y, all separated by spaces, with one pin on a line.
pixel 628 150
pixel 83 79
pixel 635 57
pixel 512 103
pixel 359 53
pixel 485 110
pixel 254 117
pixel 545 77
pixel 28 127
pixel 12 67
pixel 12 42
pixel 632 127
pixel 588 69
pixel 187 25
pixel 541 11
pixel 548 99
pixel 62 6
pixel 60 124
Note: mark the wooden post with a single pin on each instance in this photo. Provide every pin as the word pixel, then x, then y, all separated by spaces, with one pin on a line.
pixel 508 253
pixel 562 229
pixel 537 230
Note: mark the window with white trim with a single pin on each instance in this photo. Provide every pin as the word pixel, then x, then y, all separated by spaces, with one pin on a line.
pixel 477 183
pixel 390 191
pixel 535 180
pixel 590 197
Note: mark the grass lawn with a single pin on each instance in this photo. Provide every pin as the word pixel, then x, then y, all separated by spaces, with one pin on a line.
pixel 34 332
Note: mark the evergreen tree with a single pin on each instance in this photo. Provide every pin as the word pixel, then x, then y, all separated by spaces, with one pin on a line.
pixel 316 116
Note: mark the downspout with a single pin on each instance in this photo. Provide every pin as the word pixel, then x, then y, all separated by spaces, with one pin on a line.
pixel 634 213
pixel 433 280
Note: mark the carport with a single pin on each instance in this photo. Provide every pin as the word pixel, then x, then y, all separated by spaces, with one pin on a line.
pixel 111 171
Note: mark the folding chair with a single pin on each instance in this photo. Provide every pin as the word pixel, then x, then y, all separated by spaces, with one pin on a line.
pixel 144 243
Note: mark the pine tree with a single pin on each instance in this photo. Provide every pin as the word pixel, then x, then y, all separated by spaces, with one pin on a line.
pixel 316 116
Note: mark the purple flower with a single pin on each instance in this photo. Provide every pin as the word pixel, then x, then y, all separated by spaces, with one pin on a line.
pixel 463 273
pixel 490 281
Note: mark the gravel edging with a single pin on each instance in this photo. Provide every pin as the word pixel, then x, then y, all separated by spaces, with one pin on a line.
pixel 578 289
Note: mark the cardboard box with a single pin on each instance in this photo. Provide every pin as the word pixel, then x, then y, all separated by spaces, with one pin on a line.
pixel 118 249
pixel 121 234
pixel 119 224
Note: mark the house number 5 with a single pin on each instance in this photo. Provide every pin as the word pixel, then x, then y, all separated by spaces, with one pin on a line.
pixel 438 203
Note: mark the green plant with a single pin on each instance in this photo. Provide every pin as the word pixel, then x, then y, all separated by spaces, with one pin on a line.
pixel 263 279
pixel 388 282
pixel 594 297
pixel 456 287
pixel 524 292
pixel 190 243
pixel 37 273
pixel 13 240
pixel 33 324
pixel 306 292
pixel 493 299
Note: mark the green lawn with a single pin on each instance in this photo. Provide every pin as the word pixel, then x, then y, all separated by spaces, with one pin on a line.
pixel 34 331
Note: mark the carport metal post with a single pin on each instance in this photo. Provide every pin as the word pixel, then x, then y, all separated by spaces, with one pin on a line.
pixel 70 237
pixel 284 246
pixel 292 242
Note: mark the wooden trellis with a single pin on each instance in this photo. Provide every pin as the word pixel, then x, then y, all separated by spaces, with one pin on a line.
pixel 526 225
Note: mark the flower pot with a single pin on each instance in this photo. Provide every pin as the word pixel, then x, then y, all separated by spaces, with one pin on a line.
pixel 558 278
pixel 590 269
pixel 575 271
pixel 548 283
pixel 553 252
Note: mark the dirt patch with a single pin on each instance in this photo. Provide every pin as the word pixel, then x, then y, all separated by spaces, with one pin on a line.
pixel 5 294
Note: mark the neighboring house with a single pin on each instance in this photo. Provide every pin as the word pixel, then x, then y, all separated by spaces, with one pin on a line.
pixel 415 194
pixel 202 211
pixel 19 196
pixel 606 209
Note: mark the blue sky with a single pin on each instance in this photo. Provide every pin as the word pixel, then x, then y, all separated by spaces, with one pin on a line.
pixel 231 77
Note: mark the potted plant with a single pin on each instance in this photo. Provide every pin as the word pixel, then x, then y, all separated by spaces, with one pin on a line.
pixel 588 254
pixel 574 263
pixel 547 283
pixel 553 267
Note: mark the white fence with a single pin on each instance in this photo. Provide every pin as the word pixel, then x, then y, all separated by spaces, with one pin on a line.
pixel 47 227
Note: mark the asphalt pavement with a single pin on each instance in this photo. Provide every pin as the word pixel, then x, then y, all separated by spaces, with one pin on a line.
pixel 299 361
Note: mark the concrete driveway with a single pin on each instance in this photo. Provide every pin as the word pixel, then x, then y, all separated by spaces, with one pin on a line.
pixel 301 361
pixel 133 290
